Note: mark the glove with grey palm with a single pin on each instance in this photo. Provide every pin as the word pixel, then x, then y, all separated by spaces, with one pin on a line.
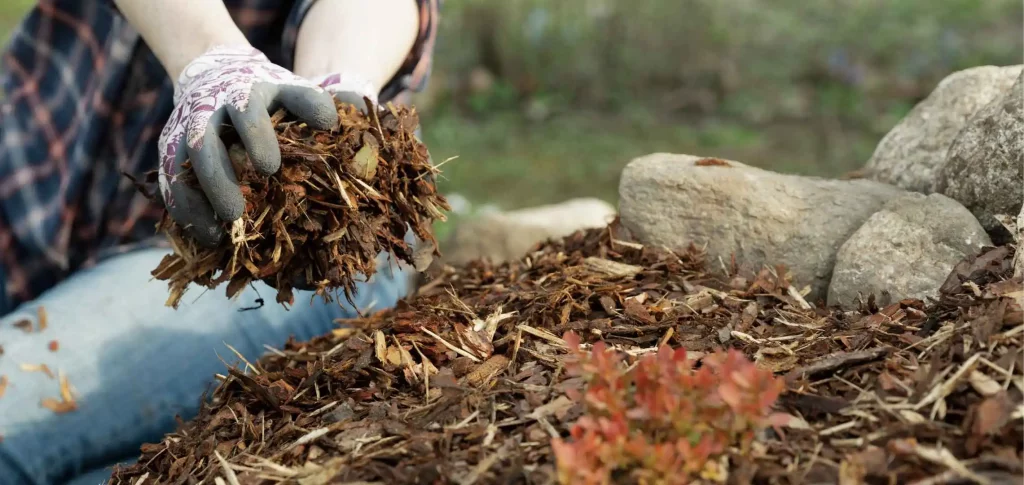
pixel 240 86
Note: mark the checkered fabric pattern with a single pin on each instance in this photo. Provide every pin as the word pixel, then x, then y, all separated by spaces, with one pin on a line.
pixel 83 103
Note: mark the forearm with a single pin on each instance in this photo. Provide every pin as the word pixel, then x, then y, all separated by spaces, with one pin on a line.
pixel 367 38
pixel 178 31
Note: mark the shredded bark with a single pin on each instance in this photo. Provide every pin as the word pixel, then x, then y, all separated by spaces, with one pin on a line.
pixel 466 382
pixel 340 199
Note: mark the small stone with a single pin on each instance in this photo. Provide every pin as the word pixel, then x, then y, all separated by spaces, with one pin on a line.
pixel 764 218
pixel 505 236
pixel 910 155
pixel 905 250
pixel 984 170
pixel 339 414
pixel 724 335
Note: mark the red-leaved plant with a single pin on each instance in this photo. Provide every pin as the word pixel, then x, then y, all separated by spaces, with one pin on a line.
pixel 661 421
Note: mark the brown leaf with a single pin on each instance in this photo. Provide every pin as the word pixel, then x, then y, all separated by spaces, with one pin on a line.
pixel 1009 288
pixel 888 382
pixel 365 162
pixel 711 162
pixel 53 346
pixel 3 385
pixel 991 414
pixel 637 311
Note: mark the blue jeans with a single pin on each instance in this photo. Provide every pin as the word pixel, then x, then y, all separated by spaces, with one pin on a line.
pixel 134 363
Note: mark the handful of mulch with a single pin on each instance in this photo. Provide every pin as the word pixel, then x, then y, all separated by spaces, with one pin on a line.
pixel 340 199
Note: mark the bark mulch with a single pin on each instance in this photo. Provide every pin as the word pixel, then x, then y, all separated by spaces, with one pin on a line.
pixel 467 382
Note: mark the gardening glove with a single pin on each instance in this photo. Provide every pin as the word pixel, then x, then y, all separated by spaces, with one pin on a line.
pixel 349 88
pixel 237 85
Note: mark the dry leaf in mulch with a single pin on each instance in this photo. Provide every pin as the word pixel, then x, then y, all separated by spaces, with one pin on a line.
pixel 340 199
pixel 467 382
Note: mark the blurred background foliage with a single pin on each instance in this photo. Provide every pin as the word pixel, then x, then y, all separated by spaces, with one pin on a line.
pixel 543 100
pixel 548 99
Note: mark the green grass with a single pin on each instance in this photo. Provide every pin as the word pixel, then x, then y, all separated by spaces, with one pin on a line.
pixel 11 12
pixel 505 160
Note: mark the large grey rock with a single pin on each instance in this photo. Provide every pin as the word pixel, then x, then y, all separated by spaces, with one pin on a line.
pixel 505 236
pixel 905 250
pixel 760 216
pixel 985 167
pixel 911 153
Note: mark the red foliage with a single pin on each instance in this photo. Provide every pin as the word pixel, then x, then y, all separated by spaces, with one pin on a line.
pixel 661 420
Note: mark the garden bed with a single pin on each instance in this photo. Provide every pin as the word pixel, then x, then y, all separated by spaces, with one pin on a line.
pixel 475 380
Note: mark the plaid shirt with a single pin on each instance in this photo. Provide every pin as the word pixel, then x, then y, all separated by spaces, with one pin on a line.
pixel 84 101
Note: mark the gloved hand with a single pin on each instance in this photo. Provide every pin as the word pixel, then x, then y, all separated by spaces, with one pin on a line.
pixel 349 88
pixel 239 85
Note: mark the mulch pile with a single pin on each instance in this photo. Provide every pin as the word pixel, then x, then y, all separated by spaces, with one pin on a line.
pixel 340 198
pixel 466 383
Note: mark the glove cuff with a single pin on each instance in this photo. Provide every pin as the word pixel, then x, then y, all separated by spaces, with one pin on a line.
pixel 214 57
pixel 348 83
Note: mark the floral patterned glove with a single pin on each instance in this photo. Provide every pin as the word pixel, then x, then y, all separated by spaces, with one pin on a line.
pixel 235 84
pixel 348 88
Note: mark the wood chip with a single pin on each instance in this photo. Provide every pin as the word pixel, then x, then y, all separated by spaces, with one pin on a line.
pixel 24 325
pixel 486 371
pixel 611 268
pixel 42 319
pixel 470 380
pixel 37 368
pixel 840 360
